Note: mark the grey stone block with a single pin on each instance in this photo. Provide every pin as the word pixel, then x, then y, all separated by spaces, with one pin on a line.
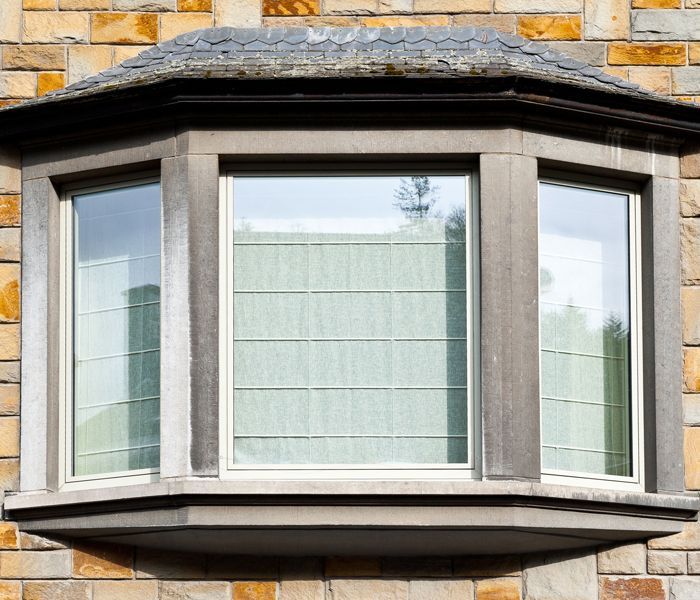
pixel 666 25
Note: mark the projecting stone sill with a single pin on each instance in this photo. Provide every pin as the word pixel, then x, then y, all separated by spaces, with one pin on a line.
pixel 361 517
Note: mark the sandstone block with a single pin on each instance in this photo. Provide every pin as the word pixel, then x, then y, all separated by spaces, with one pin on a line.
pixel 332 21
pixel 10 590
pixel 690 303
pixel 684 588
pixel 550 27
pixel 692 3
pixel 444 589
pixel 9 371
pixel 629 559
pixel 533 6
pixel 56 590
pixel 350 7
pixel 690 260
pixel 9 474
pixel 255 590
pixel 691 370
pixel 395 6
pixel 39 4
pixel 690 197
pixel 592 53
pixel 8 536
pixel 125 590
pixel 244 13
pixel 688 539
pixel 667 562
pixel 84 61
pixel 639 588
pixel 121 53
pixel 694 563
pixel 452 6
pixel 487 566
pixel 242 567
pixel 17 84
pixel 417 567
pixel 656 3
pixel 300 589
pixel 102 561
pixel 160 564
pixel 656 79
pixel 29 541
pixel 686 80
pixel 10 171
pixel 194 590
pixel 11 22
pixel 124 28
pixel 194 5
pixel 9 341
pixel 690 161
pixel 9 399
pixel 48 82
pixel 682 25
pixel 498 589
pixel 34 58
pixel 620 53
pixel 352 566
pixel 694 53
pixel 35 565
pixel 608 20
pixel 173 24
pixel 291 7
pixel 9 209
pixel 691 409
pixel 501 22
pixel 572 576
pixel 84 4
pixel 55 27
pixel 9 292
pixel 9 437
pixel 377 589
pixel 407 21
pixel 145 5
pixel 691 451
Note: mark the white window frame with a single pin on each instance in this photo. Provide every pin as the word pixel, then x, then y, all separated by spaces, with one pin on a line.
pixel 228 469
pixel 635 482
pixel 68 481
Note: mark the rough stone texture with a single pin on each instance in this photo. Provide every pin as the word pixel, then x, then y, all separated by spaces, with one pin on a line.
pixel 568 575
pixel 377 589
pixel 125 590
pixel 8 536
pixel 633 588
pixel 487 566
pixel 690 161
pixel 690 197
pixel 194 5
pixel 299 589
pixel 9 437
pixel 665 562
pixel 688 539
pixel 350 7
pixel 646 54
pixel 550 27
pixel 102 561
pixel 48 82
pixel 10 173
pixel 691 370
pixel 255 590
pixel 666 25
pixel 29 541
pixel 654 79
pixel 532 6
pixel 9 341
pixel 244 13
pixel 690 253
pixel 352 566
pixel 505 23
pixel 442 589
pixel 39 4
pixel 291 7
pixel 145 5
pixel 168 565
pixel 684 588
pixel 34 58
pixel 9 399
pixel 9 371
pixel 498 589
pixel 173 24
pixel 693 563
pixel 55 27
pixel 194 590
pixel 690 303
pixel 11 22
pixel 9 292
pixel 694 53
pixel 10 590
pixel 124 28
pixel 84 61
pixel 84 4
pixel 606 20
pixel 35 565
pixel 686 80
pixel 656 3
pixel 9 474
pixel 691 449
pixel 16 84
pixel 56 590
pixel 452 6
pixel 592 53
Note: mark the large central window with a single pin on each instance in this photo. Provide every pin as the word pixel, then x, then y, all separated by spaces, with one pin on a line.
pixel 350 325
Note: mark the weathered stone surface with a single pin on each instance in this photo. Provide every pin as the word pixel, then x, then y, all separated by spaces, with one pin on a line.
pixel 691 409
pixel 17 84
pixel 656 79
pixel 533 6
pixel 694 563
pixel 84 4
pixel 34 58
pixel 690 260
pixel 352 566
pixel 84 61
pixel 407 21
pixel 255 590
pixel 417 567
pixel 609 20
pixel 124 28
pixel 55 27
pixel 102 561
pixel 688 539
pixel 637 588
pixel 656 3
pixel 498 589
pixel 690 303
pixel 48 82
pixel 694 53
pixel 242 567
pixel 665 24
pixel 690 197
pixel 684 588
pixel 691 370
pixel 39 4
pixel 291 7
pixel 173 24
pixel 487 566
pixel 690 161
pixel 442 589
pixel 9 209
pixel 299 589
pixel 686 80
pixel 194 5
pixel 572 576
pixel 332 21
pixel 10 590
pixel 35 565
pixel 507 23
pixel 244 13
pixel 620 53
pixel 125 590
pixel 29 541
pixel 9 399
pixel 667 562
pixel 11 22
pixel 452 6
pixel 592 53
pixel 9 341
pixel 122 53
pixel 160 564
pixel 691 450
pixel 376 589
pixel 8 536
pixel 9 474
pixel 350 7
pixel 146 5
pixel 9 437
pixel 9 292
pixel 550 27
pixel 395 6
pixel 9 371
pixel 195 590
pixel 56 590
pixel 10 171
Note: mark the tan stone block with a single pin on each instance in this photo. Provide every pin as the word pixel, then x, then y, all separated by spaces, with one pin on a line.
pixel 690 161
pixel 688 539
pixel 346 21
pixel 609 20
pixel 691 370
pixel 350 7
pixel 692 3
pixel 11 22
pixel 244 13
pixel 638 588
pixel 29 541
pixel 9 437
pixel 9 371
pixel 395 6
pixel 621 72
pixel 102 561
pixel 537 6
pixel 452 6
pixel 352 566
pixel 442 589
pixel 55 27
pixel 39 4
pixel 194 5
pixel 690 197
pixel 9 341
pixel 690 304
pixel 8 534
pixel 550 27
pixel 145 5
pixel 34 58
pixel 173 24
pixel 666 562
pixel 690 255
pixel 9 292
pixel 300 589
pixel 125 590
pixel 255 590
pixel 9 474
pixel 161 564
pixel 85 4
pixel 194 590
pixel 10 590
pixel 84 61
pixel 505 23
pixel 17 84
pixel 10 171
pixel 487 566
pixel 498 589
pixel 376 589
pixel 56 590
pixel 693 563
pixel 691 451
pixel 9 399
pixel 656 3
pixel 655 79
pixel 35 565
pixel 407 21
pixel 694 53
pixel 291 7
pixel 48 82
pixel 122 53
pixel 620 53
pixel 691 409
pixel 124 28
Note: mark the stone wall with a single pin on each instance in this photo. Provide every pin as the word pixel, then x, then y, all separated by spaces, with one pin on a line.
pixel 47 43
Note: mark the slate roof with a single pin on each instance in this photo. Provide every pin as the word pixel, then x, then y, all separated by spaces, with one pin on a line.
pixel 299 52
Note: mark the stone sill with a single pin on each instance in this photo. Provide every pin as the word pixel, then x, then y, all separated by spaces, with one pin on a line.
pixel 354 517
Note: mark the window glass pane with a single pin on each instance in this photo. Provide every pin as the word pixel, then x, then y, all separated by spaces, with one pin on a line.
pixel 350 320
pixel 116 330
pixel 585 330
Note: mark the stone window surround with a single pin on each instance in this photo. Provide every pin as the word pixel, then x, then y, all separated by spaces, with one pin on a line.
pixel 190 162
